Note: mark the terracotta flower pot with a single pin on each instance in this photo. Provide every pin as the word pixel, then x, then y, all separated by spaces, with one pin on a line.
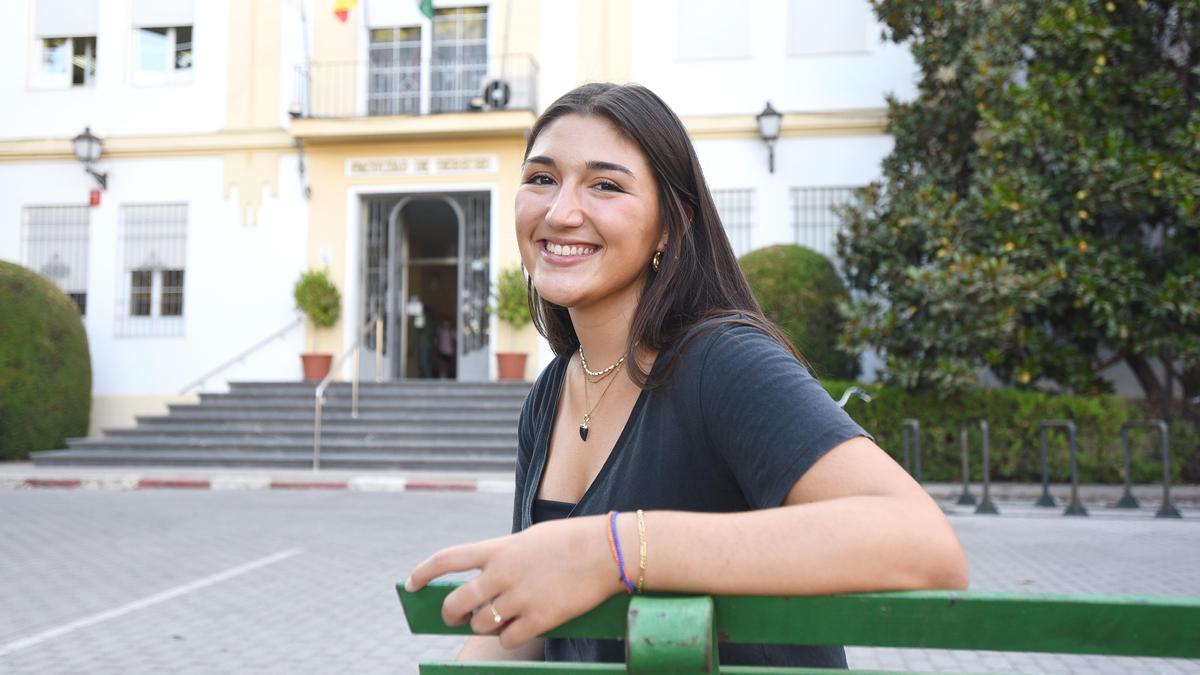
pixel 316 366
pixel 511 365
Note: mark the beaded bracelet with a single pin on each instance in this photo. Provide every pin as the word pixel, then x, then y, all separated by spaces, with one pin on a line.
pixel 641 520
pixel 614 542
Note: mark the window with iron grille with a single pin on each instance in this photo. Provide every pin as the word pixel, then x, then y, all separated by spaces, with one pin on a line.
pixel 394 73
pixel 815 221
pixel 459 62
pixel 153 253
pixel 55 245
pixel 736 208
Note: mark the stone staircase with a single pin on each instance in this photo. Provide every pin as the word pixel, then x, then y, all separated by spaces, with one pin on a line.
pixel 434 425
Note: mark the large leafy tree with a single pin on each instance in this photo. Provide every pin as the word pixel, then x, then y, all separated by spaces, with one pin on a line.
pixel 1040 211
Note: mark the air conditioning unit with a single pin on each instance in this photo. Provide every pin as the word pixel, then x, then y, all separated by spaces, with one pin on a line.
pixel 496 95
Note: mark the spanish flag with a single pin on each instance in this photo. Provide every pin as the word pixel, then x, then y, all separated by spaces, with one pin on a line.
pixel 341 9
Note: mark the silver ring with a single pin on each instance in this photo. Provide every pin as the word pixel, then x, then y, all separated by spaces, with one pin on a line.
pixel 495 615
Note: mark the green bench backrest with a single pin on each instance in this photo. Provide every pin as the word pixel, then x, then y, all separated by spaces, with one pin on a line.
pixel 666 633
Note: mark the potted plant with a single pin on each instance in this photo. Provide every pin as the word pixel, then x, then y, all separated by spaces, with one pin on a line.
pixel 321 302
pixel 511 305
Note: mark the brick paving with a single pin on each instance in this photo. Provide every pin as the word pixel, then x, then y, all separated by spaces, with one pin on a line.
pixel 289 581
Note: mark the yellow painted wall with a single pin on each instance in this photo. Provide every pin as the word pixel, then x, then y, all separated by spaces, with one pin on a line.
pixel 523 26
pixel 604 42
pixel 333 40
pixel 119 411
pixel 254 100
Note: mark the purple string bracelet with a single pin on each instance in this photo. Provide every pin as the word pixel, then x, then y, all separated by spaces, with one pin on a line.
pixel 612 524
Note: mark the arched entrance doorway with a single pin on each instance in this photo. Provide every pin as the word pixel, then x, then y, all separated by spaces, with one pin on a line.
pixel 426 271
pixel 427 236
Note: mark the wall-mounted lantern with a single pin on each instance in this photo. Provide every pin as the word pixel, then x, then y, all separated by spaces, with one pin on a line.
pixel 769 121
pixel 87 150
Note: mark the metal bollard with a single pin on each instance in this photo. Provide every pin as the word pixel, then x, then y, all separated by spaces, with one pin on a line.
pixel 910 435
pixel 966 498
pixel 986 507
pixel 1127 501
pixel 1075 508
pixel 1167 510
pixel 1046 499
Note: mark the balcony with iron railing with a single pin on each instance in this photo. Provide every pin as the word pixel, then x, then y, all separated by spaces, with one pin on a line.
pixel 355 89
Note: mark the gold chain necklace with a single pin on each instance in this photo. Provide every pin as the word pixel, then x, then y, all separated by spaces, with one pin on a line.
pixel 597 375
pixel 588 408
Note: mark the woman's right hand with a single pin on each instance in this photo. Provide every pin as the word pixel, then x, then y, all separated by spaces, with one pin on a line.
pixel 534 580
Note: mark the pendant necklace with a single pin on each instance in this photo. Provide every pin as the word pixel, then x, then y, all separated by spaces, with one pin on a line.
pixel 588 408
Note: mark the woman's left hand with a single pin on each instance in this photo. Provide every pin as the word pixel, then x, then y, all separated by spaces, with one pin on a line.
pixel 534 580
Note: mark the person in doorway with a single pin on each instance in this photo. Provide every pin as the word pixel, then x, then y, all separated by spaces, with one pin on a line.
pixel 425 340
pixel 675 416
pixel 446 347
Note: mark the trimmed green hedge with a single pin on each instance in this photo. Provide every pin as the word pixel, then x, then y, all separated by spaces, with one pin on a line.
pixel 45 368
pixel 799 290
pixel 1013 416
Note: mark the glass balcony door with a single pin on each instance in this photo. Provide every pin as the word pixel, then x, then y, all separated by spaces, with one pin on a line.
pixel 394 71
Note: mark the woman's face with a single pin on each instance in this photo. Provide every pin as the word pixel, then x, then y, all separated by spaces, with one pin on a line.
pixel 587 213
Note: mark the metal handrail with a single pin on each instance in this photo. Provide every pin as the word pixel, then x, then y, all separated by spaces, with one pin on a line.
pixel 242 357
pixel 857 392
pixel 376 322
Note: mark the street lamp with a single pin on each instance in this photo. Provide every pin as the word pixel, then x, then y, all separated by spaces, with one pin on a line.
pixel 769 121
pixel 87 150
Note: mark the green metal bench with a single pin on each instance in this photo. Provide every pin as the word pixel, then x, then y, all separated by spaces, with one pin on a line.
pixel 681 634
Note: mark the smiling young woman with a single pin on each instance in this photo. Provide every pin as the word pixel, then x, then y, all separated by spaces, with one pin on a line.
pixel 678 441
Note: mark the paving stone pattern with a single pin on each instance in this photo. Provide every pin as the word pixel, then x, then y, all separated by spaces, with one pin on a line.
pixel 327 602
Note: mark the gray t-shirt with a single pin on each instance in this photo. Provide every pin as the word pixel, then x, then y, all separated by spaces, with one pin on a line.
pixel 733 428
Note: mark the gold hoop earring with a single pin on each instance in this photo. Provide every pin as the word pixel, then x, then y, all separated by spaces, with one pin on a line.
pixel 656 261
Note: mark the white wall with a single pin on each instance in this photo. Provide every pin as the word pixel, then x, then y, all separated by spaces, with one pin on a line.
pixel 114 105
pixel 856 78
pixel 821 161
pixel 238 278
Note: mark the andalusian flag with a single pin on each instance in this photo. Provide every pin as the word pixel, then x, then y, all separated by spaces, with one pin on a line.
pixel 341 9
pixel 426 8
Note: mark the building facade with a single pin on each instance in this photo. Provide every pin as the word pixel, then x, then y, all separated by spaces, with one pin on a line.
pixel 247 142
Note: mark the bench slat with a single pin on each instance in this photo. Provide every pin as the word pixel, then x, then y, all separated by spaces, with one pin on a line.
pixel 1063 624
pixel 539 668
pixel 1069 624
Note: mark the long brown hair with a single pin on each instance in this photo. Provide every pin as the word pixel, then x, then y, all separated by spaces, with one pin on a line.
pixel 699 277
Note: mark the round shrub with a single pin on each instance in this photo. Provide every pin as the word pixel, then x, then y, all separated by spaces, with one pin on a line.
pixel 511 298
pixel 45 367
pixel 799 289
pixel 318 298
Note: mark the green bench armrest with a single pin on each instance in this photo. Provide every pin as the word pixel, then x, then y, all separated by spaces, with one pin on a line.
pixel 1067 624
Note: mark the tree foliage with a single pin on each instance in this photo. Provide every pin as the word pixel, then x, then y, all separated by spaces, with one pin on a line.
pixel 1040 211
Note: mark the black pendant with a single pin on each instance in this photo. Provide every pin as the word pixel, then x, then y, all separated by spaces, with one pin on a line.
pixel 583 431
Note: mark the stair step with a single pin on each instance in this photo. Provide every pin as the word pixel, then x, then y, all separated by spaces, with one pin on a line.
pixel 411 424
pixel 329 428
pixel 413 386
pixel 243 403
pixel 359 460
pixel 271 443
pixel 459 419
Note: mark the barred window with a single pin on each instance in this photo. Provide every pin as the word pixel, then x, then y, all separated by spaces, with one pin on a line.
pixel 736 208
pixel 814 219
pixel 459 59
pixel 394 74
pixel 55 245
pixel 153 259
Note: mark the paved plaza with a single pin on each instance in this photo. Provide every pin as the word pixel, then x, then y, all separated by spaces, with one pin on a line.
pixel 302 581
